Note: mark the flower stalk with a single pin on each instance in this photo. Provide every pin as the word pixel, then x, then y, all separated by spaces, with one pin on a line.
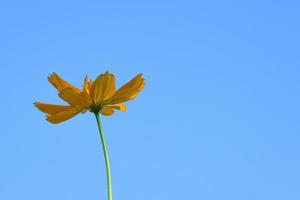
pixel 106 158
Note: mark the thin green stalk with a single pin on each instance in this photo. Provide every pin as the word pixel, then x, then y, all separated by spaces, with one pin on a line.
pixel 108 176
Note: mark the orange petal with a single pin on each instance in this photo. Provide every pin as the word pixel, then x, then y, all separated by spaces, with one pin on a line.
pixel 50 108
pixel 87 84
pixel 65 115
pixel 59 83
pixel 128 91
pixel 103 87
pixel 107 111
pixel 76 99
pixel 120 107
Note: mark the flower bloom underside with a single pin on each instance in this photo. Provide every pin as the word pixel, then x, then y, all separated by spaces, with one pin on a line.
pixel 99 96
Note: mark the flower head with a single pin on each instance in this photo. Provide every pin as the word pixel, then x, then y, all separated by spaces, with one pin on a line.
pixel 99 96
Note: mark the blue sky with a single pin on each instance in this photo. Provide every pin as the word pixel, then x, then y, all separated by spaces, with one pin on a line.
pixel 217 120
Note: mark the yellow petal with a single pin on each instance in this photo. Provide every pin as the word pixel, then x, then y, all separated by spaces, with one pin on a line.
pixel 128 91
pixel 107 111
pixel 120 107
pixel 50 108
pixel 76 99
pixel 87 85
pixel 59 83
pixel 103 87
pixel 65 115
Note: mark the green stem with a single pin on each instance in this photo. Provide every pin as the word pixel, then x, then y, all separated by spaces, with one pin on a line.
pixel 108 176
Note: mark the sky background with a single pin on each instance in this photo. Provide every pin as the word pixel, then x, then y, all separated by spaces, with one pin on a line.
pixel 218 118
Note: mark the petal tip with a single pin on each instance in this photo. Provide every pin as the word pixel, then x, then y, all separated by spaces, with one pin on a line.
pixel 123 109
pixel 52 75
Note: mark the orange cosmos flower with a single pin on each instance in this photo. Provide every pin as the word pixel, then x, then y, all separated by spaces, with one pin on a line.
pixel 99 96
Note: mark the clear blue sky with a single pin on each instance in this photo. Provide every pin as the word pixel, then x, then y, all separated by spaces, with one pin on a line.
pixel 217 120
